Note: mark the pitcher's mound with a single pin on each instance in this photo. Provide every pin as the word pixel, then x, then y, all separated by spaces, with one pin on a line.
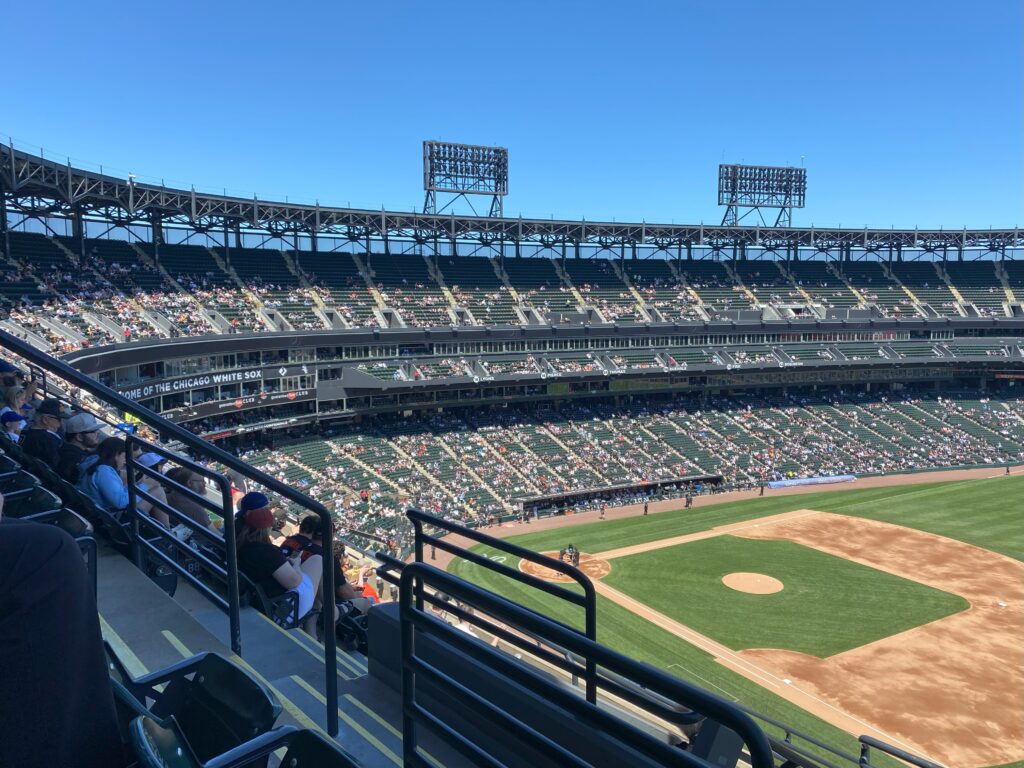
pixel 594 567
pixel 752 583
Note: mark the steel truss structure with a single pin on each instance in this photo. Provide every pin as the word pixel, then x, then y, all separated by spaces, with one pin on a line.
pixel 461 170
pixel 32 187
pixel 753 187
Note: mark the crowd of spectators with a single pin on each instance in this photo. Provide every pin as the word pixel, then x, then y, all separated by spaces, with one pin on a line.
pixel 475 467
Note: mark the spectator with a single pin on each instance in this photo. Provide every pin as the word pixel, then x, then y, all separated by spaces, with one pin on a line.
pixel 15 398
pixel 104 481
pixel 181 501
pixel 267 566
pixel 59 707
pixel 309 541
pixel 12 377
pixel 42 441
pixel 11 424
pixel 82 434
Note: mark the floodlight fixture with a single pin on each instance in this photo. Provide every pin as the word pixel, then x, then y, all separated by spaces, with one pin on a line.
pixel 754 187
pixel 460 170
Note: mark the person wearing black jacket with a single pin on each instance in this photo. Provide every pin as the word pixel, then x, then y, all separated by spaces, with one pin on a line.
pixel 81 438
pixel 43 441
pixel 58 704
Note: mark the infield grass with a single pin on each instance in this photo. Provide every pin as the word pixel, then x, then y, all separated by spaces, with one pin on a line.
pixel 828 604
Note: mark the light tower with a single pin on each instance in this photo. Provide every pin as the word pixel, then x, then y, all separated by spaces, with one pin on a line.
pixel 753 187
pixel 461 170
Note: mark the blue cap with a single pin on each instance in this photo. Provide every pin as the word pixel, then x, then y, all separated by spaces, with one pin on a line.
pixel 6 367
pixel 10 416
pixel 253 500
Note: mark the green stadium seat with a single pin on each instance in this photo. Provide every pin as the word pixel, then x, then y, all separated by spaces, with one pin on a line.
pixel 162 745
pixel 37 502
pixel 216 704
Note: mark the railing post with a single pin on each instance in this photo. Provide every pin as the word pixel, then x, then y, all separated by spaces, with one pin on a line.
pixel 865 756
pixel 231 561
pixel 133 517
pixel 330 639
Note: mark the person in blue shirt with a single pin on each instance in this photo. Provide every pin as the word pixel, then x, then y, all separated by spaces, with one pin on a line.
pixel 105 482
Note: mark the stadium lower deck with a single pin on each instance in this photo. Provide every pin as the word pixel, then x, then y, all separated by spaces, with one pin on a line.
pixel 473 465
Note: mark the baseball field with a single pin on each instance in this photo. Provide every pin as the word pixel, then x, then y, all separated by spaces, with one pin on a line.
pixel 893 611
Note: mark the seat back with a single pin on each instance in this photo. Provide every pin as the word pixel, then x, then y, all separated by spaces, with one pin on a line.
pixel 221 707
pixel 283 610
pixel 160 746
pixel 18 484
pixel 37 502
pixel 308 749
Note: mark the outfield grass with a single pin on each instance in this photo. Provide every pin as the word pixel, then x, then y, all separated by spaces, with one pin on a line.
pixel 828 604
pixel 986 513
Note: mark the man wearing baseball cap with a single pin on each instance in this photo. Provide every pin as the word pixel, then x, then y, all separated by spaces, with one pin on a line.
pixel 11 424
pixel 42 441
pixel 82 433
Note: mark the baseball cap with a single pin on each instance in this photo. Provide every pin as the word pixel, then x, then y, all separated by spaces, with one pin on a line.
pixel 150 459
pixel 253 500
pixel 50 407
pixel 82 422
pixel 10 416
pixel 6 367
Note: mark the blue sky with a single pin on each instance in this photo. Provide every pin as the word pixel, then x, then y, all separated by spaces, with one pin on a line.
pixel 905 113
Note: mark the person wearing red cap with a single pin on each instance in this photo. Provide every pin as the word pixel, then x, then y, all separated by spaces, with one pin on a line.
pixel 266 565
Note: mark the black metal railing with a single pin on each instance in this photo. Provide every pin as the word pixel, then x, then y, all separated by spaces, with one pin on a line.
pixel 867 743
pixel 152 540
pixel 415 621
pixel 587 601
pixel 50 368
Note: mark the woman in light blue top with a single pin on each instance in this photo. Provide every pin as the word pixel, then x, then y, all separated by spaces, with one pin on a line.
pixel 104 479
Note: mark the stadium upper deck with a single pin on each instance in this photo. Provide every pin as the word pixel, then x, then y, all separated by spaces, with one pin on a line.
pixel 343 268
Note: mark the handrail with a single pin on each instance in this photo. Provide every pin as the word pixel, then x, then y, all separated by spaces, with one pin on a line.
pixel 417 575
pixel 226 511
pixel 170 430
pixel 867 742
pixel 588 600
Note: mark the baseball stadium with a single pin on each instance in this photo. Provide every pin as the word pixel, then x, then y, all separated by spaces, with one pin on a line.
pixel 585 492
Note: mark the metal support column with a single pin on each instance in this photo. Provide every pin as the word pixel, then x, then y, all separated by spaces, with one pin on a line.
pixel 3 222
pixel 78 229
pixel 156 233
